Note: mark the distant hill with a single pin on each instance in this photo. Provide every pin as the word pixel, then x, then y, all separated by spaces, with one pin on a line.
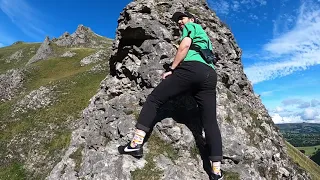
pixel 301 134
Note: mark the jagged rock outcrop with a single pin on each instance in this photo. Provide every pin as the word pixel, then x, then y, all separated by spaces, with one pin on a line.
pixel 43 52
pixel 82 37
pixel 94 58
pixel 253 147
pixel 68 54
pixel 10 82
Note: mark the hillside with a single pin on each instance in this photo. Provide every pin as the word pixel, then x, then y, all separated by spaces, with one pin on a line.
pixel 42 96
pixel 305 137
pixel 301 134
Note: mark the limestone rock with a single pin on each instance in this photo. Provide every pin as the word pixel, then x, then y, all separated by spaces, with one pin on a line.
pixel 82 37
pixel 10 83
pixel 15 56
pixel 94 58
pixel 68 54
pixel 43 52
pixel 36 99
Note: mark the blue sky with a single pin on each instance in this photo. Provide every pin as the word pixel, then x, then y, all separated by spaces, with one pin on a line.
pixel 280 40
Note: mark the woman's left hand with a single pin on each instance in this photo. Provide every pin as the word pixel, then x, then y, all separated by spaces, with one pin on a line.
pixel 164 75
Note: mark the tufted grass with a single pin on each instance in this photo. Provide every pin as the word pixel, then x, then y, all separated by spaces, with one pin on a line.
pixel 228 175
pixel 77 157
pixel 13 171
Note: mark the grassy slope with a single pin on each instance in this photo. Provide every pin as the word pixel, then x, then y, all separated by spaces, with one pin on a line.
pixel 28 50
pixel 303 161
pixel 75 86
pixel 309 150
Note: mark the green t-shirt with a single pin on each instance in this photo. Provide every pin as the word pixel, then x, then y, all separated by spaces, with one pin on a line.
pixel 200 38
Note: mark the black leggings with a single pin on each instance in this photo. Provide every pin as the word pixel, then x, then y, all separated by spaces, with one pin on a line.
pixel 201 80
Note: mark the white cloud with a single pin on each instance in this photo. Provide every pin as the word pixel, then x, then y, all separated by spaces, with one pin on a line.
pixel 1 45
pixel 25 17
pixel 304 105
pixel 262 2
pixel 279 109
pixel 221 6
pixel 292 101
pixel 295 115
pixel 253 16
pixel 310 114
pixel 227 7
pixel 235 6
pixel 293 51
pixel 278 119
pixel 315 102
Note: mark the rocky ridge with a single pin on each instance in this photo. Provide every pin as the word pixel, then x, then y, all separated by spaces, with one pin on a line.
pixel 252 145
pixel 83 37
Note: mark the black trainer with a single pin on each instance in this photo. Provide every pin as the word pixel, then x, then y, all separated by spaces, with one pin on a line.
pixel 135 152
pixel 216 177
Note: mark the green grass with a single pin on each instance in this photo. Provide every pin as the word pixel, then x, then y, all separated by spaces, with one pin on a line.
pixel 228 175
pixel 60 141
pixel 14 171
pixel 6 52
pixel 48 71
pixel 194 152
pixel 309 150
pixel 193 11
pixel 303 161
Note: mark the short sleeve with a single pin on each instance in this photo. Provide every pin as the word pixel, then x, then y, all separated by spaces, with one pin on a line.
pixel 188 31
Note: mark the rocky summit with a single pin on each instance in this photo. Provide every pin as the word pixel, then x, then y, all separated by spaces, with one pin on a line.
pixel 145 42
